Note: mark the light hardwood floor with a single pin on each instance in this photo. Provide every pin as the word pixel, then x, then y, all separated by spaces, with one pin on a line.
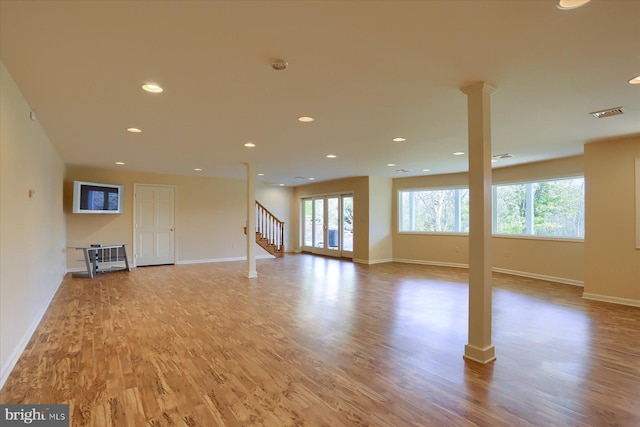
pixel 323 342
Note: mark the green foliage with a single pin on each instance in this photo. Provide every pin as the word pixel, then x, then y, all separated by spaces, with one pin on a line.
pixel 557 209
pixel 511 209
pixel 435 210
pixel 347 208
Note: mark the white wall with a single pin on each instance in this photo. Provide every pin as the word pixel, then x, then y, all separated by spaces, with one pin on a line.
pixel 210 214
pixel 612 261
pixel 32 229
pixel 380 236
pixel 551 259
pixel 279 201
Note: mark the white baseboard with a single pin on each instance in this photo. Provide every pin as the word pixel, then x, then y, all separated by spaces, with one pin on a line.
pixel 434 263
pixel 540 277
pixel 209 260
pixel 17 352
pixel 497 270
pixel 372 261
pixel 614 300
pixel 190 261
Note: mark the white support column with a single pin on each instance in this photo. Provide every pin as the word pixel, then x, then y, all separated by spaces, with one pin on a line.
pixel 251 222
pixel 479 348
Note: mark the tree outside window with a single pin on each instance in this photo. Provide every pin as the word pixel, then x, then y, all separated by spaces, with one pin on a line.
pixel 544 208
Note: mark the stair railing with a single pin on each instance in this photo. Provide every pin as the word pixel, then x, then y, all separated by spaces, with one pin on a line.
pixel 269 227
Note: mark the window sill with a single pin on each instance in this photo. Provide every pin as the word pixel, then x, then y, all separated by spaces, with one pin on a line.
pixel 498 236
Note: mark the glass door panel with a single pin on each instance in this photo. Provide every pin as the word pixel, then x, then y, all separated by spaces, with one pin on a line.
pixel 327 225
pixel 307 222
pixel 347 225
pixel 333 223
pixel 318 223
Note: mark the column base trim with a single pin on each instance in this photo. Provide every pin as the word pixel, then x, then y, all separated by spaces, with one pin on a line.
pixel 480 355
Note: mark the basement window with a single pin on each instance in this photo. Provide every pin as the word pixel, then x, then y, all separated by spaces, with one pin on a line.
pixel 434 211
pixel 543 208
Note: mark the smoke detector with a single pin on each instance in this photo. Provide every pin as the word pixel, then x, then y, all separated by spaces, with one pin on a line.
pixel 607 113
pixel 279 64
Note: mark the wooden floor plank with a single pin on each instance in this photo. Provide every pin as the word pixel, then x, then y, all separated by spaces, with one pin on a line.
pixel 325 342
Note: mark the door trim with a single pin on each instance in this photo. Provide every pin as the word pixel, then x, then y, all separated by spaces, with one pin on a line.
pixel 341 253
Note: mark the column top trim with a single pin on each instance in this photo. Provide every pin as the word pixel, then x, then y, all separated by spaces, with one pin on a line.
pixel 477 87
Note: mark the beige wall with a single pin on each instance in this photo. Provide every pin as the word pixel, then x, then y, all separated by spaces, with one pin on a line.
pixel 210 214
pixel 545 258
pixel 611 258
pixel 359 187
pixel 380 237
pixel 558 168
pixel 279 201
pixel 558 260
pixel 32 229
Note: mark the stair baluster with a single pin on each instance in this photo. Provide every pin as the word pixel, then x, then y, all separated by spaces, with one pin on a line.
pixel 269 231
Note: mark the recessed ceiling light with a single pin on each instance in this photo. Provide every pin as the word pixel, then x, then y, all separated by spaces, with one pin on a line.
pixel 391 164
pixel 249 144
pixel 607 113
pixel 281 185
pixel 331 156
pixel 260 174
pixel 458 153
pixel 635 80
pixel 311 179
pixel 134 130
pixel 197 169
pixel 503 156
pixel 571 4
pixel 399 139
pixel 305 119
pixel 119 163
pixel 426 170
pixel 152 87
pixel 279 64
pixel 494 160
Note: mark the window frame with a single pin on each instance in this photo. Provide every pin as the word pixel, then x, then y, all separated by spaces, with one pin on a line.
pixel 457 207
pixel 530 213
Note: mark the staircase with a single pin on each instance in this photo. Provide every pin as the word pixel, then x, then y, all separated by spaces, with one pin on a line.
pixel 269 231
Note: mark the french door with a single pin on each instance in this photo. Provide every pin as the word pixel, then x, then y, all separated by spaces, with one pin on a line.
pixel 327 225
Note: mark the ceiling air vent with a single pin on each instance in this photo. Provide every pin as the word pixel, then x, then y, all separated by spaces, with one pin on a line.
pixel 503 156
pixel 404 170
pixel 607 113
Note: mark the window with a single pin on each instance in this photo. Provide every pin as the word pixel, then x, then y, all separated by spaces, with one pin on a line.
pixel 440 211
pixel 544 208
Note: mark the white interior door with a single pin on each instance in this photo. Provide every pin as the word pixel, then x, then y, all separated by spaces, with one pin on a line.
pixel 154 226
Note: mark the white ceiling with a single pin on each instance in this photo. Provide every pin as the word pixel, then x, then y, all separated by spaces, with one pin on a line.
pixel 367 71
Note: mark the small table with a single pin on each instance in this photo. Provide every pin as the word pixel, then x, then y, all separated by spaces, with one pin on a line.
pixel 95 254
